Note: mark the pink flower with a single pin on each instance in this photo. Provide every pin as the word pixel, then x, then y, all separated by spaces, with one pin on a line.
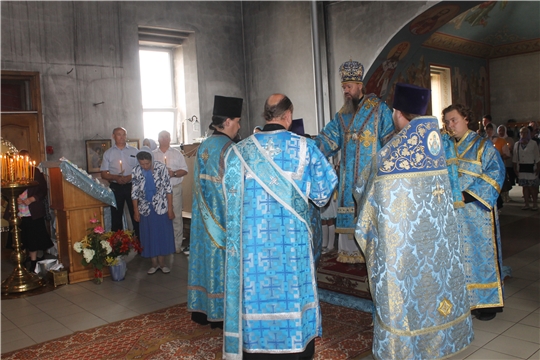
pixel 93 221
pixel 99 230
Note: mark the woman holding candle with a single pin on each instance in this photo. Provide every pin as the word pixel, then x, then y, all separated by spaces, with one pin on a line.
pixel 32 211
pixel 153 209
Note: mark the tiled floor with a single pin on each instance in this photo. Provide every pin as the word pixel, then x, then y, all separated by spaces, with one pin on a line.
pixel 514 334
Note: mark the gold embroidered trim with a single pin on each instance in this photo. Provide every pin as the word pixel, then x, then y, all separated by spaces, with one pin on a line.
pixel 452 161
pixel 484 177
pixel 482 286
pixel 425 330
pixel 411 175
pixel 345 210
pixel 477 197
pixel 211 178
pixel 344 231
pixel 459 204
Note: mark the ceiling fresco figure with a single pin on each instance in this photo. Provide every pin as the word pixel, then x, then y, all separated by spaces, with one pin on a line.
pixel 378 82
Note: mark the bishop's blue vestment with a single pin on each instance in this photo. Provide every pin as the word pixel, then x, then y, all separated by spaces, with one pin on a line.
pixel 271 301
pixel 207 238
pixel 481 176
pixel 408 232
pixel 359 137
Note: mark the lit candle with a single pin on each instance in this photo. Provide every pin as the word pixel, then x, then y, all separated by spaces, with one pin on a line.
pixel 165 161
pixel 121 168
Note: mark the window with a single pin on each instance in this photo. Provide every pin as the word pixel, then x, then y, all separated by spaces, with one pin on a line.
pixel 441 90
pixel 158 95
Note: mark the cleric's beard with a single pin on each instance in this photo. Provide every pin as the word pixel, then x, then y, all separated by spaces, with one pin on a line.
pixel 350 105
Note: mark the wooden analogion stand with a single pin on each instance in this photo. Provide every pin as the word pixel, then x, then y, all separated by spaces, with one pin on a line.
pixel 74 208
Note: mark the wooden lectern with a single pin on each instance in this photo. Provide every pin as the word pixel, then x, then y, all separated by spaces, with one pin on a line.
pixel 74 208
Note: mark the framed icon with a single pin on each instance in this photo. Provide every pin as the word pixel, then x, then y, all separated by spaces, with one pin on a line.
pixel 94 153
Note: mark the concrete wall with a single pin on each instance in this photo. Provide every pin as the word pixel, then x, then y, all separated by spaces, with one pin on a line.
pixel 359 30
pixel 279 58
pixel 87 52
pixel 515 88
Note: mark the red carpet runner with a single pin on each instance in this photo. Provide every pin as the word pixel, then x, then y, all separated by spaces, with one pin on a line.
pixel 170 334
pixel 349 279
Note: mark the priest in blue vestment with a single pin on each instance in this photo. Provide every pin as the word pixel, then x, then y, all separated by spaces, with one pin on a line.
pixel 481 176
pixel 271 300
pixel 408 231
pixel 207 238
pixel 359 130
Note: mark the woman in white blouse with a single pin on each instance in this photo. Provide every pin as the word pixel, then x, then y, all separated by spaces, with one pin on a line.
pixel 526 161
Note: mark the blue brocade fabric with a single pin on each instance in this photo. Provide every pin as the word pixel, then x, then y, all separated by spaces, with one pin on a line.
pixel 207 237
pixel 408 232
pixel 481 174
pixel 271 302
pixel 359 137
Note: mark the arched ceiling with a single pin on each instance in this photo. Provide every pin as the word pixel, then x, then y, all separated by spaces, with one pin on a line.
pixel 489 30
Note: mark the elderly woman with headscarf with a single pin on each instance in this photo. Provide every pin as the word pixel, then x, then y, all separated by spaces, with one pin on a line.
pixel 527 167
pixel 150 143
pixel 152 202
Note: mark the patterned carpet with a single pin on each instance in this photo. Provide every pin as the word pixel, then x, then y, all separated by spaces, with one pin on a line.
pixel 170 334
pixel 349 279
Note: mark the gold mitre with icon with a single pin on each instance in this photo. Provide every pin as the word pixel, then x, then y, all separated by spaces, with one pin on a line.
pixel 351 71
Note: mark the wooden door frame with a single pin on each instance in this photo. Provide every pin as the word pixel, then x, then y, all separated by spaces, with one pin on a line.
pixel 35 97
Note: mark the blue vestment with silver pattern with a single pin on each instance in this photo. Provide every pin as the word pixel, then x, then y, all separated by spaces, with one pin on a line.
pixel 481 175
pixel 207 236
pixel 271 301
pixel 408 231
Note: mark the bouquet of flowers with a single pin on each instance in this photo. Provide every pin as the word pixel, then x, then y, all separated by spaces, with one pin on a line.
pixel 94 248
pixel 121 243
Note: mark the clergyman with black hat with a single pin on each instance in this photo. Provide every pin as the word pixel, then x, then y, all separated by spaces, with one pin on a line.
pixel 408 231
pixel 359 130
pixel 207 237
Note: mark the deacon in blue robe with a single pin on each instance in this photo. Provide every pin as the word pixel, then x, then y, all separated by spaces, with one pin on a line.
pixel 408 231
pixel 271 301
pixel 481 176
pixel 359 130
pixel 207 237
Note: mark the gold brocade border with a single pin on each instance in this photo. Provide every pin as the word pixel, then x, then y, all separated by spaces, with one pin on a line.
pixel 203 289
pixel 345 210
pixel 459 204
pixel 411 175
pixel 490 285
pixel 210 178
pixel 452 161
pixel 484 177
pixel 475 162
pixel 425 330
pixel 467 148
pixel 478 198
pixel 344 231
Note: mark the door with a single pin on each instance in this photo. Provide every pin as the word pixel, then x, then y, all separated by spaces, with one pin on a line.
pixel 21 118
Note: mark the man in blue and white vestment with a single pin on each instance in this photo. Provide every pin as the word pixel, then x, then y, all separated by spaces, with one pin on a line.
pixel 206 279
pixel 271 301
pixel 408 232
pixel 359 130
pixel 481 176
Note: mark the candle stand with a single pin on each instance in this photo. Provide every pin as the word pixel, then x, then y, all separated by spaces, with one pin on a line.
pixel 20 280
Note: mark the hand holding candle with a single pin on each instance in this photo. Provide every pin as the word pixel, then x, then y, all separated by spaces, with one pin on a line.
pixel 121 168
